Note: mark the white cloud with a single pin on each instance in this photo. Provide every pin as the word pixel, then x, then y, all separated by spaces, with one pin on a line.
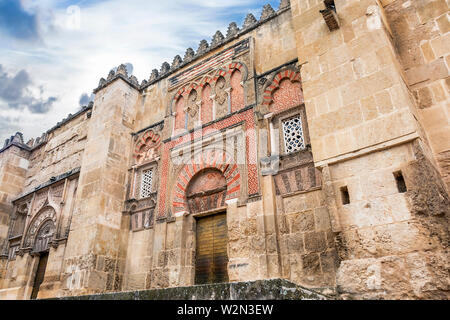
pixel 144 33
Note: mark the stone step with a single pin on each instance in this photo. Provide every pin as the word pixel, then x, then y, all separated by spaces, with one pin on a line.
pixel 274 289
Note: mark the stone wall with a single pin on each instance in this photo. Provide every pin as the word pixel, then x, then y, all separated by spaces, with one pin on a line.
pixel 275 289
pixel 13 167
pixel 307 241
pixel 92 258
pixel 164 254
pixel 355 97
pixel 61 153
pixel 421 37
pixel 386 246
pixel 40 165
pixel 364 132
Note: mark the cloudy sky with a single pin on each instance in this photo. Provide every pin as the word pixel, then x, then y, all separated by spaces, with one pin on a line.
pixel 53 52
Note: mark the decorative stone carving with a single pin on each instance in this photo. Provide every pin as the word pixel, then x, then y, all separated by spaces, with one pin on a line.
pixel 217 39
pixel 143 83
pixel 192 107
pixel 177 61
pixel 189 55
pixel 154 75
pixel 23 207
pixel 147 147
pixel 267 12
pixel 206 191
pixel 232 30
pixel 48 213
pixel 40 201
pixel 215 160
pixel 221 94
pixel 203 47
pixel 141 212
pixel 250 20
pixel 57 193
pixel 165 68
pixel 44 236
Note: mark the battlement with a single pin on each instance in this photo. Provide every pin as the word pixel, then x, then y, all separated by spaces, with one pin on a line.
pixel 218 40
pixel 33 143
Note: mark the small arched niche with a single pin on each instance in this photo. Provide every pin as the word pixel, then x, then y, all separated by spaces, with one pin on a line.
pixel 44 236
pixel 206 191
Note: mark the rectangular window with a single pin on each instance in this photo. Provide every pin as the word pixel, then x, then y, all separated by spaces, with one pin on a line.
pixel 345 196
pixel 146 183
pixel 401 184
pixel 293 134
pixel 13 252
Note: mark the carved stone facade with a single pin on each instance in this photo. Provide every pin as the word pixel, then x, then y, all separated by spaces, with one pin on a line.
pixel 318 131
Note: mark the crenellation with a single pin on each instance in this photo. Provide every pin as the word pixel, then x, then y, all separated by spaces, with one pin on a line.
pixel 267 12
pixel 202 48
pixel 165 68
pixel 249 21
pixel 233 30
pixel 177 61
pixel 217 39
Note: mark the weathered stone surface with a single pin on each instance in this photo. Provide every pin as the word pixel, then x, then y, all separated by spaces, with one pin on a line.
pixel 276 289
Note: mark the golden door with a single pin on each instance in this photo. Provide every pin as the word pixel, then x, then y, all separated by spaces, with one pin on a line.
pixel 211 255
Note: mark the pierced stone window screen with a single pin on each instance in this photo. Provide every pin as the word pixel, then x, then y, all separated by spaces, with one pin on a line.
pixel 293 134
pixel 146 184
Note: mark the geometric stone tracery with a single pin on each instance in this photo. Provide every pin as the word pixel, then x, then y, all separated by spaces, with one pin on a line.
pixel 45 215
pixel 44 236
pixel 293 134
pixel 146 183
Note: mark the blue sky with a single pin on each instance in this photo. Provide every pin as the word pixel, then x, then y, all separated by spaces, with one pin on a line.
pixel 53 52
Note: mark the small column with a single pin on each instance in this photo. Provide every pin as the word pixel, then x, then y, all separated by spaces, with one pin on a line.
pixel 174 114
pixel 228 91
pixel 213 97
pixel 199 105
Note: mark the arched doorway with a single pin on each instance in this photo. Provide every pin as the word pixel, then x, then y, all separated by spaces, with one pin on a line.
pixel 41 247
pixel 206 193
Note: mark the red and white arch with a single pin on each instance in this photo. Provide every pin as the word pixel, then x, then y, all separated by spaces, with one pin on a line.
pixel 207 159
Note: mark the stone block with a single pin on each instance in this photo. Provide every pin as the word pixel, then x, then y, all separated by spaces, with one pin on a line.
pixel 384 102
pixel 315 241
pixel 427 52
pixel 295 243
pixel 369 108
pixel 322 219
pixel 362 275
pixel 444 23
pixel 311 270
pixel 435 70
pixel 429 10
pixel 303 221
pixel 441 45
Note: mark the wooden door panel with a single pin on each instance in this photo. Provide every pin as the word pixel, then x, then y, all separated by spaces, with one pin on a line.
pixel 40 274
pixel 211 254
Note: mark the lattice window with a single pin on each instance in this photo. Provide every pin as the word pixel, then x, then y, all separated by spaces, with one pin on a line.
pixel 146 183
pixel 293 134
